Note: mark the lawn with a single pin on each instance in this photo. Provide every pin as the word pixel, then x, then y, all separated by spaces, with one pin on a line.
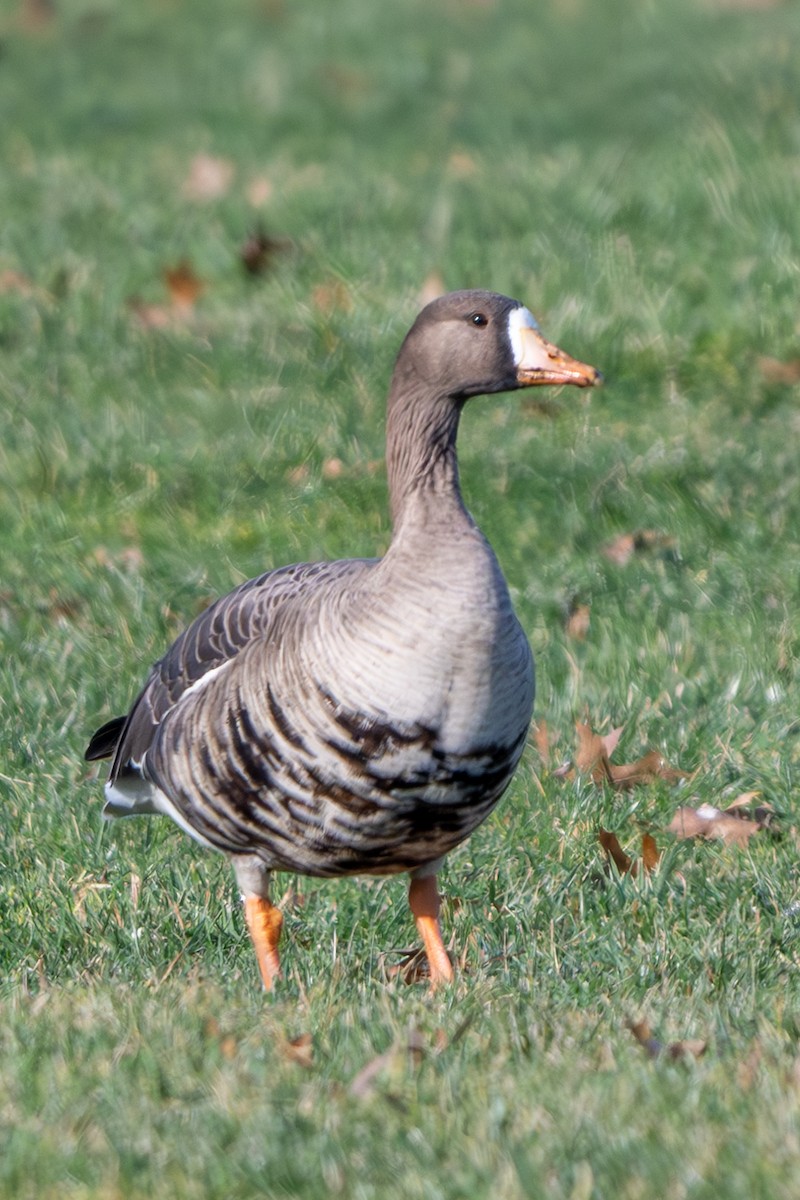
pixel 184 406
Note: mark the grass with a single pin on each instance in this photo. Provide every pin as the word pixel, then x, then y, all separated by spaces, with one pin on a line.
pixel 630 172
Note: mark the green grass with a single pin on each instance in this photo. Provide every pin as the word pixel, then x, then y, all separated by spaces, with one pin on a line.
pixel 630 172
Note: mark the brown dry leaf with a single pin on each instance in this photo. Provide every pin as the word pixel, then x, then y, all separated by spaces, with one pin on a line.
pixel 259 191
pixel 685 1048
pixel 594 751
pixel 130 558
pixel 650 853
pixel 332 468
pixel 593 757
pixel 15 281
pixel 650 766
pixel 578 621
pixel 152 316
pixel 413 967
pixel 622 861
pixel 541 740
pixel 644 1036
pixel 209 178
pixel 299 474
pixel 731 826
pixel 774 370
pixel 623 547
pixel 184 289
pixel 362 1086
pixel 415 1047
pixel 300 1050
pixel 183 285
pixel 36 15
pixel 228 1044
pixel 743 800
pixel 748 1069
pixel 620 550
pixel 332 296
pixel 258 251
pixel 228 1047
pixel 461 165
pixel 63 609
pixel 624 864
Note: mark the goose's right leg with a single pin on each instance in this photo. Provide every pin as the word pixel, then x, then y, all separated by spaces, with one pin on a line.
pixel 425 902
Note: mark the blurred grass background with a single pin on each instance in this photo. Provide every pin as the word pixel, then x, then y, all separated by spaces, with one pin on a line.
pixel 630 171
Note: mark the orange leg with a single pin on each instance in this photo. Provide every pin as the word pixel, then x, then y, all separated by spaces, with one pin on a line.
pixel 264 921
pixel 424 902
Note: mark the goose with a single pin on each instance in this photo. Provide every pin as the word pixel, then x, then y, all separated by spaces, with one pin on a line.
pixel 362 716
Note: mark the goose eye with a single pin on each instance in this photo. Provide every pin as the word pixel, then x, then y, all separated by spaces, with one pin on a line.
pixel 478 319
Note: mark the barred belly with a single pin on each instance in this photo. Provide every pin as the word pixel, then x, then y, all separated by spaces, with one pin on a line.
pixel 347 795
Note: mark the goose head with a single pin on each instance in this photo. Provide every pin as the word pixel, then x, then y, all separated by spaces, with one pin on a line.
pixel 464 344
pixel 475 343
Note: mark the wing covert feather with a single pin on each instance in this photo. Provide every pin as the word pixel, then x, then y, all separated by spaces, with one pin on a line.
pixel 214 638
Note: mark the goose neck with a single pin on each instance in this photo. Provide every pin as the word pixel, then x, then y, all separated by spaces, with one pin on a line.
pixel 421 461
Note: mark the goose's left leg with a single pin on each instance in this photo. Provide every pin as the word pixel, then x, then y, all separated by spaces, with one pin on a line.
pixel 425 902
pixel 264 919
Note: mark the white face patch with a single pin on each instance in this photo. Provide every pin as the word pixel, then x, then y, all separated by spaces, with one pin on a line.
pixel 520 319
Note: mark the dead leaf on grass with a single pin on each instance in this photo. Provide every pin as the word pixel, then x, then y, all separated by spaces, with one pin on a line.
pixel 654 1048
pixel 332 296
pixel 129 558
pixel 623 547
pixel 412 967
pixel 578 620
pixel 774 370
pixel 151 316
pixel 259 191
pixel 184 289
pixel 15 281
pixel 541 740
pixel 37 15
pixel 259 251
pixel 593 758
pixel 209 178
pixel 183 285
pixel 461 165
pixel 362 1086
pixel 650 852
pixel 332 468
pixel 414 1048
pixel 734 825
pixel 622 861
pixel 299 1050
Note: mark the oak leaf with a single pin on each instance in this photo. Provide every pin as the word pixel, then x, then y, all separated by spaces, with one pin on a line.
pixel 622 861
pixel 734 825
pixel 593 758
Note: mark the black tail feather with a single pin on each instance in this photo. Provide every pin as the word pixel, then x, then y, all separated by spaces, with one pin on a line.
pixel 104 741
